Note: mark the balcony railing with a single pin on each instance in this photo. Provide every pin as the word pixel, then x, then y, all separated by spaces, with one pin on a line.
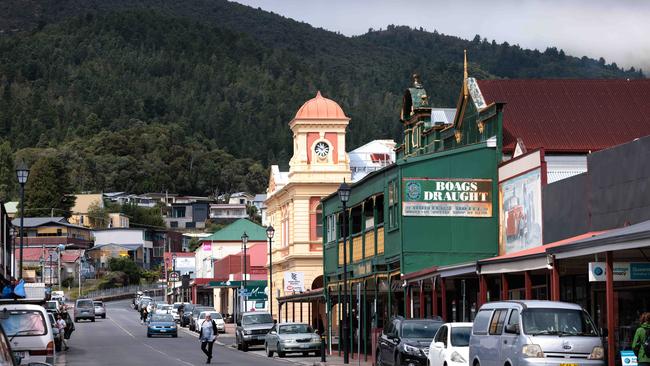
pixel 357 248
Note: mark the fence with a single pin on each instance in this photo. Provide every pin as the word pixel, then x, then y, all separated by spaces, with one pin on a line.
pixel 110 292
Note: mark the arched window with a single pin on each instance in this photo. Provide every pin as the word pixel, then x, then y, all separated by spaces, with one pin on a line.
pixel 315 219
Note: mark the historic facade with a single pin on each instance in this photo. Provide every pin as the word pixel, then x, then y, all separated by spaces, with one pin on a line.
pixel 318 166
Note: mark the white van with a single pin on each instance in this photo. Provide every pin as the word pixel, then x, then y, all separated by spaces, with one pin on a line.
pixel 534 333
pixel 30 332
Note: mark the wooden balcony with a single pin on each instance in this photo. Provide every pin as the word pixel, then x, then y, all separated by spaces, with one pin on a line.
pixel 370 244
pixel 380 240
pixel 357 248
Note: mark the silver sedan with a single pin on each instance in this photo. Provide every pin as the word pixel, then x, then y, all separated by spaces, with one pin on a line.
pixel 100 309
pixel 291 338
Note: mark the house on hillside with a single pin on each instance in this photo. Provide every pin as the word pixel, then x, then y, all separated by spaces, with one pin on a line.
pixel 119 242
pixel 52 231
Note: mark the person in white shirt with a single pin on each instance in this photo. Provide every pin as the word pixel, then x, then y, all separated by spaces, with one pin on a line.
pixel 208 336
pixel 61 324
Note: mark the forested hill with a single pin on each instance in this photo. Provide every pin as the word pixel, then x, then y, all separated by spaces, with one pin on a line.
pixel 215 78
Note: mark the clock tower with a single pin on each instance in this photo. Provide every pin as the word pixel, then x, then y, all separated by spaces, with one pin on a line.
pixel 319 154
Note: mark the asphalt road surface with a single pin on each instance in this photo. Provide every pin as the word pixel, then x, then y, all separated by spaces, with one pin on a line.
pixel 120 339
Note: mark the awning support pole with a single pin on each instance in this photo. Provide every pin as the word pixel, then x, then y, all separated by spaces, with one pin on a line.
pixel 422 307
pixel 482 290
pixel 528 286
pixel 443 295
pixel 555 281
pixel 434 298
pixel 609 290
pixel 504 287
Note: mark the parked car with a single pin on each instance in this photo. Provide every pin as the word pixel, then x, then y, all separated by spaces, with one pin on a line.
pixel 84 309
pixel 252 328
pixel 58 295
pixel 406 341
pixel 100 309
pixel 55 332
pixel 450 346
pixel 216 316
pixel 30 331
pixel 534 332
pixel 291 338
pixel 187 314
pixel 7 356
pixel 164 309
pixel 162 324
pixel 195 315
pixel 52 306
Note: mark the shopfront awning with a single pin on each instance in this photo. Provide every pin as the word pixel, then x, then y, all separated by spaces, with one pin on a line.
pixel 528 259
pixel 303 296
pixel 631 237
pixel 457 270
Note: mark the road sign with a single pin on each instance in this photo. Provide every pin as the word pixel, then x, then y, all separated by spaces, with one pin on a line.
pixel 174 276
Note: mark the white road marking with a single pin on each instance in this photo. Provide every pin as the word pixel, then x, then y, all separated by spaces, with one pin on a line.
pixel 119 326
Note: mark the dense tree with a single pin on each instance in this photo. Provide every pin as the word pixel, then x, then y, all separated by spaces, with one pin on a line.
pixel 143 216
pixel 98 216
pixel 7 173
pixel 161 99
pixel 48 190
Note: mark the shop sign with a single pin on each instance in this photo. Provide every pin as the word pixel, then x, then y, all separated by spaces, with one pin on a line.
pixel 447 197
pixel 207 247
pixel 174 276
pixel 623 271
pixel 294 282
pixel 628 358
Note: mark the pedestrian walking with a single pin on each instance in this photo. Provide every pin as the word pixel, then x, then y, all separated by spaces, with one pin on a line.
pixel 61 325
pixel 143 314
pixel 641 341
pixel 208 336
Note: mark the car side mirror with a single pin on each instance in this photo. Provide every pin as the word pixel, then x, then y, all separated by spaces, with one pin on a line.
pixel 512 328
pixel 439 345
pixel 273 332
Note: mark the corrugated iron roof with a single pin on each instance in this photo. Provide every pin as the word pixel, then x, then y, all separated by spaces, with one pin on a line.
pixel 571 115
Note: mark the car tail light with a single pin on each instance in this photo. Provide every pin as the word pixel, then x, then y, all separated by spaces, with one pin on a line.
pixel 48 351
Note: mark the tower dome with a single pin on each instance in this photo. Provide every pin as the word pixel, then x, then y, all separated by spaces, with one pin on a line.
pixel 320 107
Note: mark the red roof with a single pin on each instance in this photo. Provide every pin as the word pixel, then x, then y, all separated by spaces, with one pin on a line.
pixel 35 254
pixel 571 115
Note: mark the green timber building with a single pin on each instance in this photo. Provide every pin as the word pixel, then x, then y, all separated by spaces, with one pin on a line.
pixel 437 205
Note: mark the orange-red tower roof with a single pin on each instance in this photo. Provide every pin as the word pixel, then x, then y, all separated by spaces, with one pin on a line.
pixel 320 107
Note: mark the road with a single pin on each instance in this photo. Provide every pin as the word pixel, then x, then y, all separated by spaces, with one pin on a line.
pixel 120 339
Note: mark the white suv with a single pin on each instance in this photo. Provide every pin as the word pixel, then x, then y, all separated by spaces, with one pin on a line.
pixel 30 332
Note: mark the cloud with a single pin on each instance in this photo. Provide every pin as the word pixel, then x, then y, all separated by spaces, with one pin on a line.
pixel 614 29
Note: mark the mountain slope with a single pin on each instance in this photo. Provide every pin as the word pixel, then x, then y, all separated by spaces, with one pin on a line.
pixel 221 73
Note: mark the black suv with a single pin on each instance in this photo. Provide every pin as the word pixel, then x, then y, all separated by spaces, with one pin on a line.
pixel 406 341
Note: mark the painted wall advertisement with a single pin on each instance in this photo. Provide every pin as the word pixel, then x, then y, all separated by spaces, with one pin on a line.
pixel 447 197
pixel 623 271
pixel 521 211
pixel 294 282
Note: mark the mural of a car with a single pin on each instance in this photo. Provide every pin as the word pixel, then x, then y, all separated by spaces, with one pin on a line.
pixel 515 218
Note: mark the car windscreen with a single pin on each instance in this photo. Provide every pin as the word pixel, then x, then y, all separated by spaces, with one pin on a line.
pixel 460 336
pixel 421 329
pixel 198 311
pixel 256 319
pixel 550 321
pixel 53 305
pixel 216 315
pixel 85 304
pixel 23 323
pixel 162 318
pixel 295 329
pixel 97 303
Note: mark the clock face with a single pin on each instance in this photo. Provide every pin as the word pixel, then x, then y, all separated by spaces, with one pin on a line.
pixel 322 149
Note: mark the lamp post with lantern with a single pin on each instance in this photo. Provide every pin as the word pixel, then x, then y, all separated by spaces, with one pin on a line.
pixel 174 277
pixel 22 172
pixel 344 196
pixel 244 244
pixel 270 231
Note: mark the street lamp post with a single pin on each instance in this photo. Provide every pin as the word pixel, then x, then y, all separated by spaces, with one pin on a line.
pixel 344 196
pixel 244 242
pixel 60 248
pixel 174 277
pixel 270 231
pixel 22 172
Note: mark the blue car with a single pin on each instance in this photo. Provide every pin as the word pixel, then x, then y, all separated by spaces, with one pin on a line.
pixel 162 324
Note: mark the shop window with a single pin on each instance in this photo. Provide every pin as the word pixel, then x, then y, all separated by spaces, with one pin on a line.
pixel 368 214
pixel 331 228
pixel 393 204
pixel 315 219
pixel 356 220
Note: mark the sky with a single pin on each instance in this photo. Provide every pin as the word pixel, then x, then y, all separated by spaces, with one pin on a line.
pixel 618 30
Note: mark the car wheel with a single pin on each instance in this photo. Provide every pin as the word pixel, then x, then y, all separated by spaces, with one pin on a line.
pixel 269 353
pixel 317 353
pixel 104 316
pixel 305 354
pixel 148 335
pixel 281 354
pixel 75 320
pixel 175 335
pixel 238 345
